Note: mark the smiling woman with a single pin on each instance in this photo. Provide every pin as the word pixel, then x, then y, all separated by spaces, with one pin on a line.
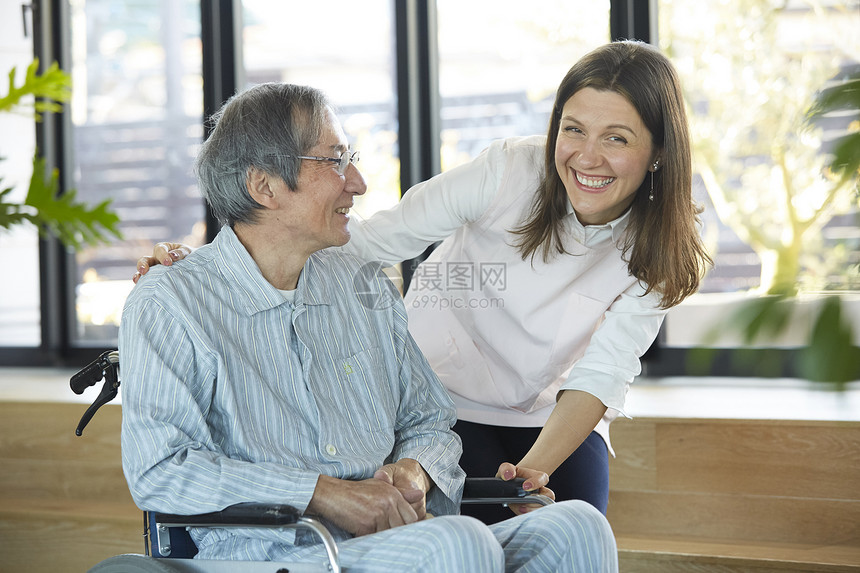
pixel 589 266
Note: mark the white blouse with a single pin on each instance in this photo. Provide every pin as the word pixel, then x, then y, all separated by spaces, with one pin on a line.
pixel 506 335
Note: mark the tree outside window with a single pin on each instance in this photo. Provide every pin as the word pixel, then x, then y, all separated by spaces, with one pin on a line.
pixel 751 70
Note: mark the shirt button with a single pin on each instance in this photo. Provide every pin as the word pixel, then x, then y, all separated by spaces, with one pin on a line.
pixel 331 450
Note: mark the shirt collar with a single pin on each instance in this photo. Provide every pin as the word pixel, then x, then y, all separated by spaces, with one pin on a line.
pixel 590 235
pixel 258 294
pixel 313 289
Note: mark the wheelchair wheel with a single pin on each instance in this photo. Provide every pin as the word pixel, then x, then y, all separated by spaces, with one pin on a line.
pixel 132 563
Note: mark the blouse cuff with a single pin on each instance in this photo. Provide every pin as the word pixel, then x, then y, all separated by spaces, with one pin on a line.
pixel 602 385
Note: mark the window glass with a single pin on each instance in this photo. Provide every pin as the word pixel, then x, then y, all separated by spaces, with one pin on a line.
pixel 774 216
pixel 345 49
pixel 19 245
pixel 137 123
pixel 500 63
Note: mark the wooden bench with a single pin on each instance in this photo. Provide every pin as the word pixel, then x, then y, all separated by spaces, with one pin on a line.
pixel 717 495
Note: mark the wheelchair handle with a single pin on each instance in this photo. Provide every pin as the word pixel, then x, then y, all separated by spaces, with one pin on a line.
pixel 105 366
pixel 93 372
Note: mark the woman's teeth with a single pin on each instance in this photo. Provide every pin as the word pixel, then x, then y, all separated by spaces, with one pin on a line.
pixel 594 182
pixel 342 210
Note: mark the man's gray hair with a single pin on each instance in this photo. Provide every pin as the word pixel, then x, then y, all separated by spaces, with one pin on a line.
pixel 265 127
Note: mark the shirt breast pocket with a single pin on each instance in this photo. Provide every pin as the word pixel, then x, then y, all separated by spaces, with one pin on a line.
pixel 367 391
pixel 580 319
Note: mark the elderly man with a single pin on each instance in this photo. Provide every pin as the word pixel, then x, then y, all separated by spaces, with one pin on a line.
pixel 256 370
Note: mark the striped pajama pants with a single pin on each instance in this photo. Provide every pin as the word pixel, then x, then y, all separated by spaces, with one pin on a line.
pixel 568 536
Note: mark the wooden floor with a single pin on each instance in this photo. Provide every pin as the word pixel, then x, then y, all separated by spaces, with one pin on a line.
pixel 711 477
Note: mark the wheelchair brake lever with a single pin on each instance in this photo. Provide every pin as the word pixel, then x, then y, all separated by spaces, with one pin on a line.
pixel 104 367
pixel 91 373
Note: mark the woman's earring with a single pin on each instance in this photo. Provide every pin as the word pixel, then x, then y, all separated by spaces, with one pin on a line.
pixel 656 166
pixel 651 195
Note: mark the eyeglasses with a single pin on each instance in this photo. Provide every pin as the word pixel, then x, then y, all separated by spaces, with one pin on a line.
pixel 342 162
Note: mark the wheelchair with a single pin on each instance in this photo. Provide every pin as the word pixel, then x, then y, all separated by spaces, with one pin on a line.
pixel 168 547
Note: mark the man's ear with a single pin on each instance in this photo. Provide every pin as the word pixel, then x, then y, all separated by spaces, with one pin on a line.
pixel 258 183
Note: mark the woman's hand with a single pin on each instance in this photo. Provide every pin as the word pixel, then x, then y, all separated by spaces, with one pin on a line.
pixel 536 481
pixel 162 254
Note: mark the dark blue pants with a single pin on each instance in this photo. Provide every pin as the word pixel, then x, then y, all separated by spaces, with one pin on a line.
pixel 584 475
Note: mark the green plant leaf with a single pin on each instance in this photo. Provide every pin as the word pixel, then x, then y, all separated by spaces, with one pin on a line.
pixel 843 96
pixel 763 316
pixel 71 221
pixel 10 212
pixel 846 156
pixel 830 356
pixel 846 151
pixel 54 85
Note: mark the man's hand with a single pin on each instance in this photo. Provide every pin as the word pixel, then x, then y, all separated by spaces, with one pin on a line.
pixel 536 481
pixel 162 254
pixel 411 480
pixel 361 507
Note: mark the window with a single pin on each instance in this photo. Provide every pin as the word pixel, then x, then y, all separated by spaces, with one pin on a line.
pixel 498 79
pixel 136 123
pixel 750 70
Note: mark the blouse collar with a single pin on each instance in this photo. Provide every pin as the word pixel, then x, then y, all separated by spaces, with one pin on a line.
pixel 591 235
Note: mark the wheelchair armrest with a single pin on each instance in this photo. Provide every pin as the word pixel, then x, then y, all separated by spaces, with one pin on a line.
pixel 245 515
pixel 493 487
pixel 495 490
pixel 238 515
